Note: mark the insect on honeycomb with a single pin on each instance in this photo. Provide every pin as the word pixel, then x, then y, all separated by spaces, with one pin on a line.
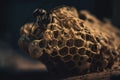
pixel 75 41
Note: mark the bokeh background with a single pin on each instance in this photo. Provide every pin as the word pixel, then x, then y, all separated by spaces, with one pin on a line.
pixel 14 13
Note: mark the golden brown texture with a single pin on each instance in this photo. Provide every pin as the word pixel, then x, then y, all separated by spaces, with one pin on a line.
pixel 74 43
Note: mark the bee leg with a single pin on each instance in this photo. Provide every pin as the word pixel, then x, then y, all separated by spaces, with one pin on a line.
pixel 61 23
pixel 52 19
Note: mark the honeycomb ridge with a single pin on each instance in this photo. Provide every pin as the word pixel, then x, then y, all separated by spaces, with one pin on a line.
pixel 75 41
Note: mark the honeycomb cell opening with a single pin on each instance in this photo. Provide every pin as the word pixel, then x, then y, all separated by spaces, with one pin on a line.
pixel 61 43
pixel 90 38
pixel 73 50
pixel 69 42
pixel 81 35
pixel 78 42
pixel 42 43
pixel 53 42
pixel 63 51
pixel 81 51
pixel 54 53
pixel 56 34
pixel 94 48
pixel 36 53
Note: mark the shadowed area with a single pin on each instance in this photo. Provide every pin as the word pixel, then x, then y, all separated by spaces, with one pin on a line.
pixel 16 65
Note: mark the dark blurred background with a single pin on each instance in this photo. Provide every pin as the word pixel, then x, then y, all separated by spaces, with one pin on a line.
pixel 13 14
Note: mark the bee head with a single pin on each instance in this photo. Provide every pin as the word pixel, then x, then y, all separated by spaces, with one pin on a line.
pixel 39 12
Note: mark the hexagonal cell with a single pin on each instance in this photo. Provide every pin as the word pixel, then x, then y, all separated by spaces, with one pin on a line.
pixel 90 38
pixel 61 43
pixel 53 42
pixel 90 53
pixel 115 53
pixel 81 51
pixel 97 39
pixel 67 58
pixel 54 53
pixel 42 43
pixel 73 50
pixel 83 36
pixel 76 27
pixel 76 58
pixel 78 42
pixel 86 30
pixel 69 42
pixel 55 34
pixel 65 23
pixel 63 51
pixel 81 24
pixel 66 35
pixel 36 53
pixel 52 27
pixel 93 47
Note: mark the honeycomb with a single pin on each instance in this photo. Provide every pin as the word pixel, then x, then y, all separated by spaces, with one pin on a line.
pixel 74 41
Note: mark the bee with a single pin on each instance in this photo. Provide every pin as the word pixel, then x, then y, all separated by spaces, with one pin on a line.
pixel 43 18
